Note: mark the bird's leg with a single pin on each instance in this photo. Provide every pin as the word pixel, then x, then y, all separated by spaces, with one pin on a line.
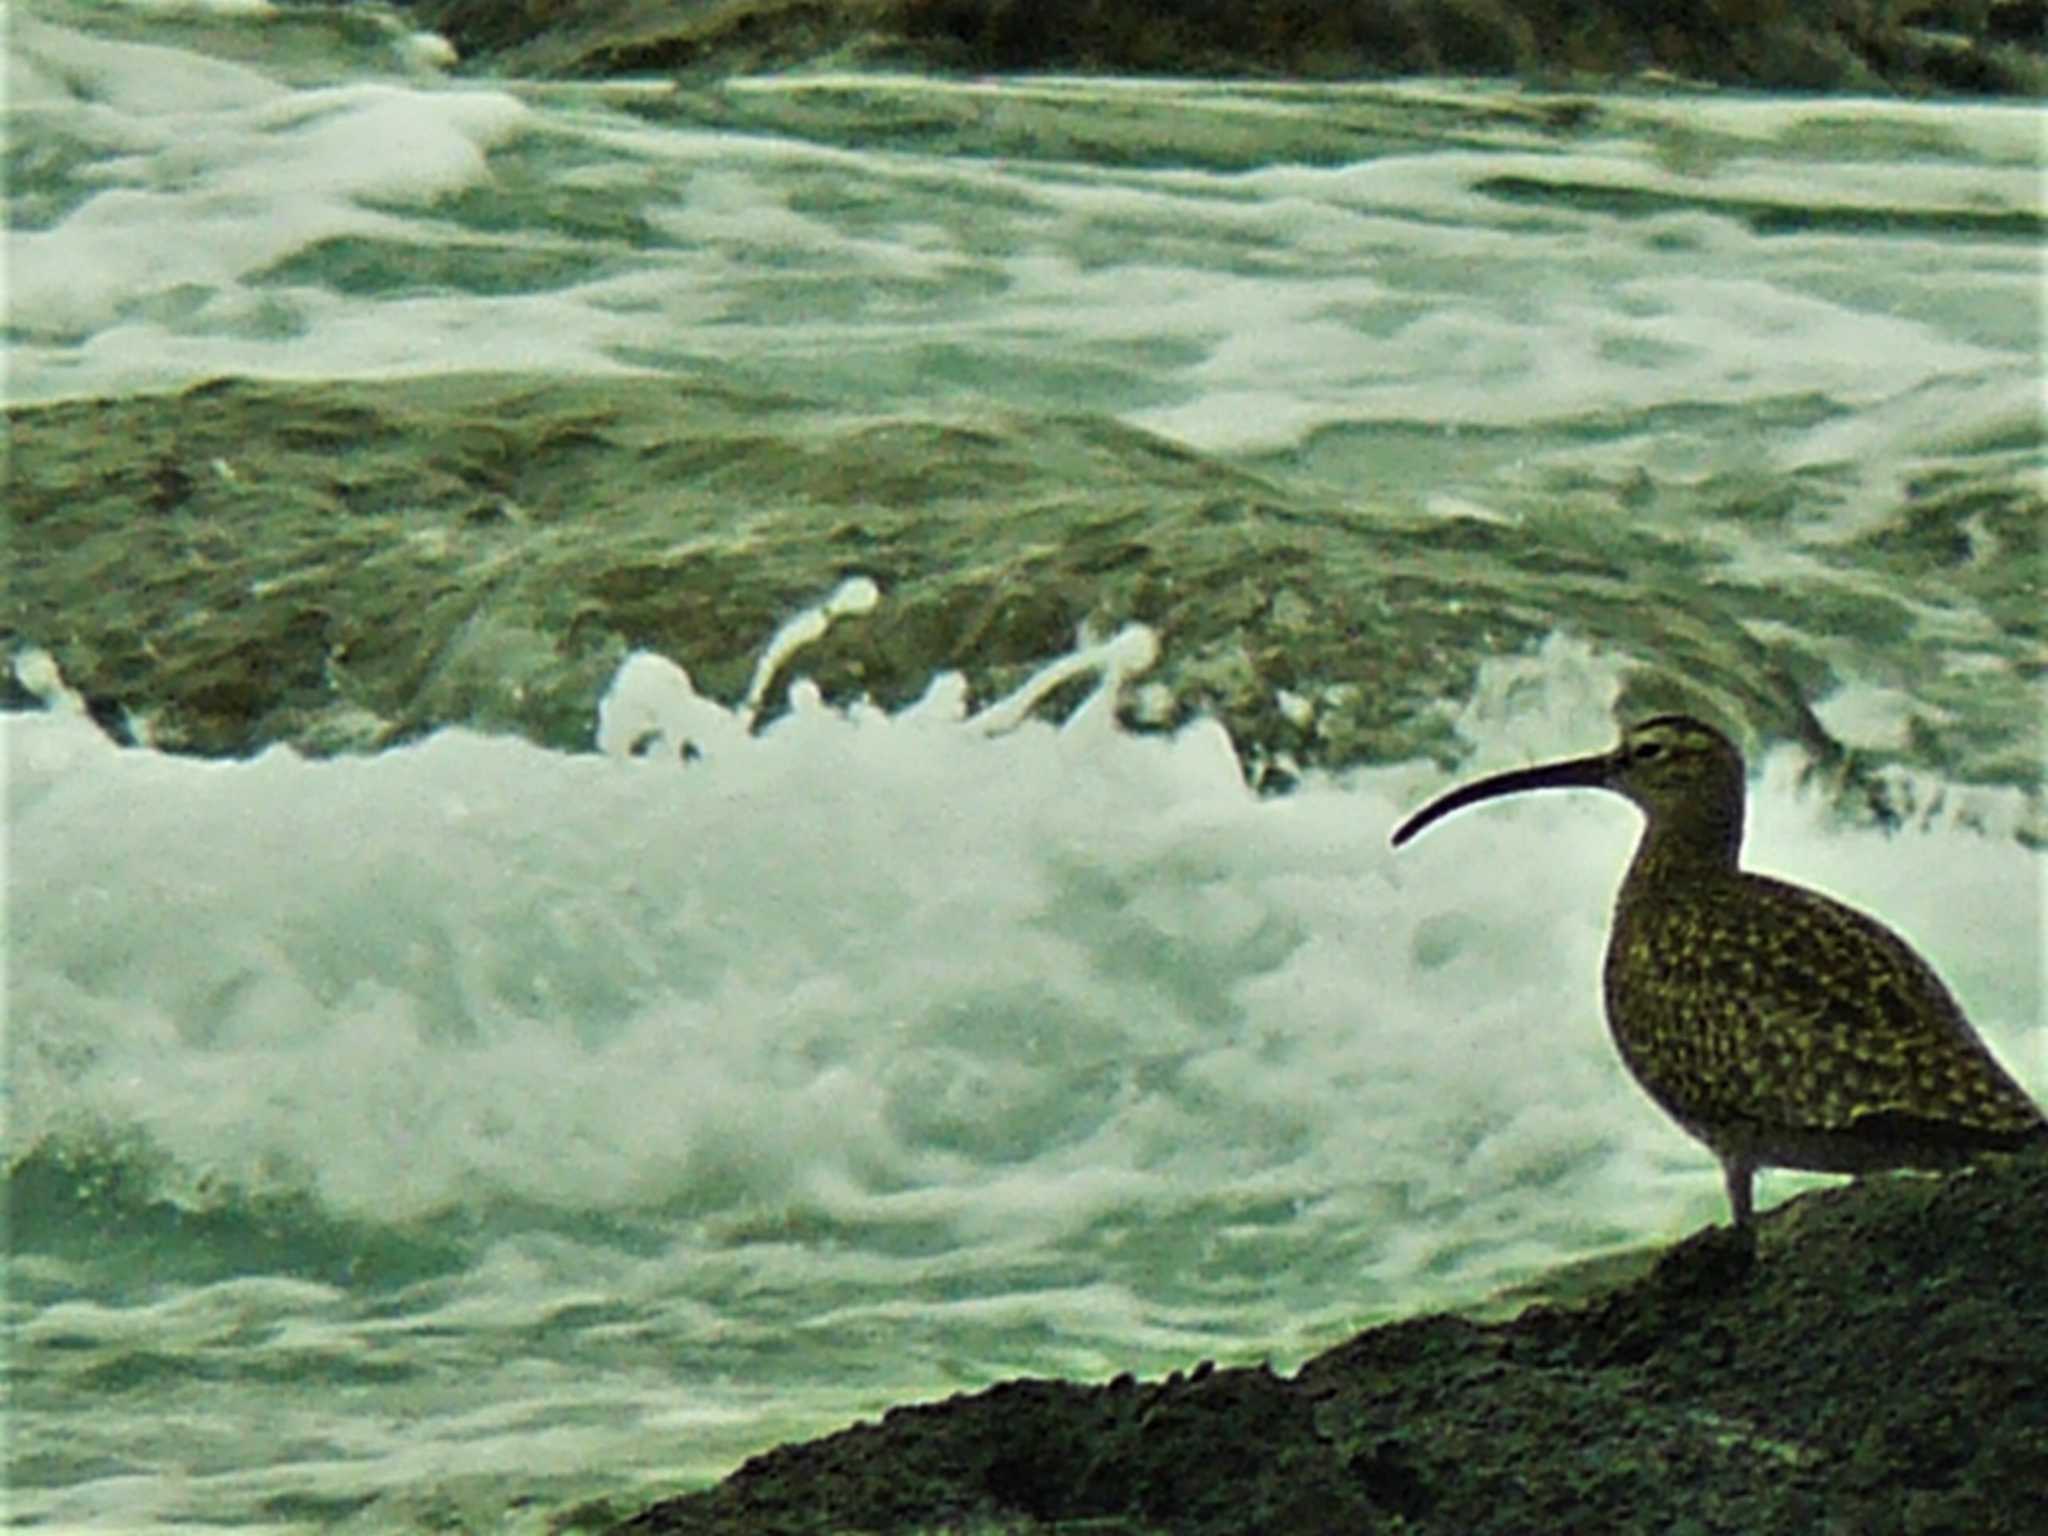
pixel 1716 1259
pixel 1740 1176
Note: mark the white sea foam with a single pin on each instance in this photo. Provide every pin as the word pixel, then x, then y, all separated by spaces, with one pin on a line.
pixel 987 973
pixel 235 183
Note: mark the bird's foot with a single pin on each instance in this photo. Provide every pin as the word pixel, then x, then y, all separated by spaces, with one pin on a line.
pixel 1709 1263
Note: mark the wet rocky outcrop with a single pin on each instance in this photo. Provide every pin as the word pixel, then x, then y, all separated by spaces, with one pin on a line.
pixel 345 566
pixel 1940 46
pixel 1875 1367
pixel 342 566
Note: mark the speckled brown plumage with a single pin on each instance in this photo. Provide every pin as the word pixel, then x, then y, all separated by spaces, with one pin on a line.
pixel 1777 1025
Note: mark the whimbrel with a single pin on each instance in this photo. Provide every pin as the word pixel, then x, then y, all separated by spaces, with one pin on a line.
pixel 1773 1023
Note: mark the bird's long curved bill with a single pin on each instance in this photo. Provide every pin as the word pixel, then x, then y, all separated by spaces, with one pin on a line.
pixel 1577 773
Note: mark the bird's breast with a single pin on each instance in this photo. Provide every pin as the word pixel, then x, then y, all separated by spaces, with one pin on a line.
pixel 1693 1008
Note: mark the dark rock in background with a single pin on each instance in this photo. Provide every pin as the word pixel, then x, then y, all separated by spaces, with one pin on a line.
pixel 1932 46
pixel 1875 1368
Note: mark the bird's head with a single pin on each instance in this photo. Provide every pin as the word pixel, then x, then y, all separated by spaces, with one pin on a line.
pixel 1678 769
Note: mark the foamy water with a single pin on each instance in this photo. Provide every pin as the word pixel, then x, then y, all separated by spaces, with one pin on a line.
pixel 217 219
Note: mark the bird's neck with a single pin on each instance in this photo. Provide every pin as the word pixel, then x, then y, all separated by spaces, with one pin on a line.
pixel 1689 843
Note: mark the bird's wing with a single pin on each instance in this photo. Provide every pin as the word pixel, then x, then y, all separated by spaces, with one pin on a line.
pixel 1821 1018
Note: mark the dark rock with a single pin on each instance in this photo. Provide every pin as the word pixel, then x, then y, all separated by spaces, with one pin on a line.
pixel 1980 45
pixel 1874 1365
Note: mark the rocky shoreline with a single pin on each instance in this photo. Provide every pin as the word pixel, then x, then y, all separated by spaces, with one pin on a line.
pixel 1939 47
pixel 1874 1367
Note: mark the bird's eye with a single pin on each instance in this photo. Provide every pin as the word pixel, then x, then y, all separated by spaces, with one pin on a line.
pixel 1646 750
